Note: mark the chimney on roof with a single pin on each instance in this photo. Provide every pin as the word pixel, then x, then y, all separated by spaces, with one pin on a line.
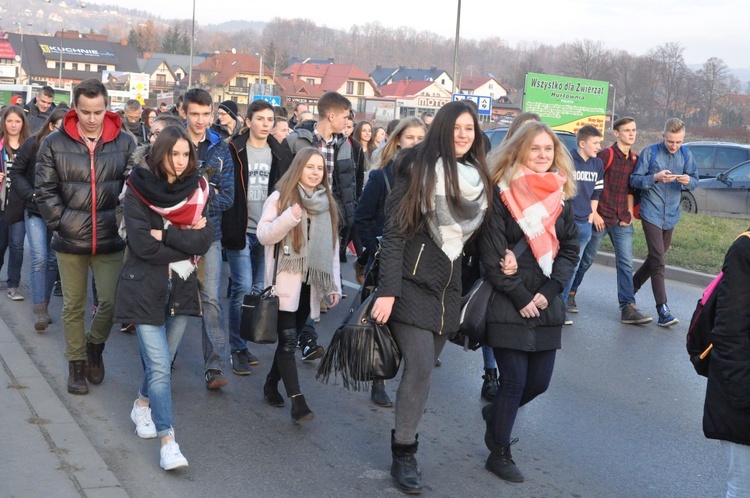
pixel 401 68
pixel 433 68
pixel 146 55
pixel 378 67
pixel 330 60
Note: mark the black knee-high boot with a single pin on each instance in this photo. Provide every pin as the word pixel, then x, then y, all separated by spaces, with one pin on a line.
pixel 284 360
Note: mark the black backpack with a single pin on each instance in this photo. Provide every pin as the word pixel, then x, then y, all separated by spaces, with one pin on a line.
pixel 702 323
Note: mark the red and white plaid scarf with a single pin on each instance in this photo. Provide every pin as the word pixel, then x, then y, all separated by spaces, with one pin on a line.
pixel 535 202
pixel 185 213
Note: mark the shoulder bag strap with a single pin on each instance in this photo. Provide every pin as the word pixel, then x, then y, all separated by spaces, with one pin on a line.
pixel 519 248
pixel 387 182
pixel 275 263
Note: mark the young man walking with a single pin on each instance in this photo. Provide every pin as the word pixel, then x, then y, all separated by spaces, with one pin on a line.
pixel 38 110
pixel 662 172
pixel 215 164
pixel 80 172
pixel 256 155
pixel 589 174
pixel 614 216
pixel 326 135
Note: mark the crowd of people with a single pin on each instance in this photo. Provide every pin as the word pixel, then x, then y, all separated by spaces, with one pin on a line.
pixel 153 201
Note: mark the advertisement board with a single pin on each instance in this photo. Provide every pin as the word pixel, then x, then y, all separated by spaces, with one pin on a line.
pixel 566 104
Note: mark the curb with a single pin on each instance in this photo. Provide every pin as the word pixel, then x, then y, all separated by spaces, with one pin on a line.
pixel 670 272
pixel 54 436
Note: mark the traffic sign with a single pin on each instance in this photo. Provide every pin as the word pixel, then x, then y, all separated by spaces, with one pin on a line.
pixel 484 103
pixel 272 99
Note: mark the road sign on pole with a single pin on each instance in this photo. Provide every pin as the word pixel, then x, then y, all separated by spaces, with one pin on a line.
pixel 484 103
pixel 272 99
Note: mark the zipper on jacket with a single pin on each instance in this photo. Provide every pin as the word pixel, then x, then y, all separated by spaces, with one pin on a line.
pixel 442 301
pixel 419 256
pixel 93 201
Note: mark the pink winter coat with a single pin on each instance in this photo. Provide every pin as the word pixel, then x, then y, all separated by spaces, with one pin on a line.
pixel 272 228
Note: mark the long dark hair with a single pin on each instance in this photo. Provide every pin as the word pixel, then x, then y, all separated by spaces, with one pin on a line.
pixel 419 167
pixel 56 115
pixel 161 152
pixel 18 111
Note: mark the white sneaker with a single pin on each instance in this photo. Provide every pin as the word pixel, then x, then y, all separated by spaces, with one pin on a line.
pixel 141 417
pixel 14 295
pixel 171 458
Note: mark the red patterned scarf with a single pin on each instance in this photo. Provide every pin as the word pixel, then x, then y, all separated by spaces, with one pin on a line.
pixel 535 202
pixel 184 213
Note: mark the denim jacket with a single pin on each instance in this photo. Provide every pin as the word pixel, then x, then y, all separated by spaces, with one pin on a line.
pixel 660 202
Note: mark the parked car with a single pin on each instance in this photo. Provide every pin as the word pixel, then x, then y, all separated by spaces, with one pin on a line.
pixel 727 195
pixel 713 158
pixel 496 136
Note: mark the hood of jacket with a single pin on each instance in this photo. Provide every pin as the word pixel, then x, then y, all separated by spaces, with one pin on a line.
pixel 306 130
pixel 112 126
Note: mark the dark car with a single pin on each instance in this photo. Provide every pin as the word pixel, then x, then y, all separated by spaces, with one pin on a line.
pixel 496 136
pixel 727 195
pixel 713 158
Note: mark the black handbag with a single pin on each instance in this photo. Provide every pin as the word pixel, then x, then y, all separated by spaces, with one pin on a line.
pixel 472 332
pixel 260 312
pixel 361 350
pixel 14 208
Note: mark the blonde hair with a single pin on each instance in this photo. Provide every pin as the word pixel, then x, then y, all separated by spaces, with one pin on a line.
pixel 673 125
pixel 289 194
pixel 508 159
pixel 391 147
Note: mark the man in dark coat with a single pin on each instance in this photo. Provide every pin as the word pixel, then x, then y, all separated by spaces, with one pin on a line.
pixel 38 110
pixel 79 176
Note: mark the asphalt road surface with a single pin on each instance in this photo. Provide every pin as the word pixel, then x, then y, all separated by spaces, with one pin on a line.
pixel 622 417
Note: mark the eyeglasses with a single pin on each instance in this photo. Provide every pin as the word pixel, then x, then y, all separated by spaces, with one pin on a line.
pixel 153 134
pixel 133 118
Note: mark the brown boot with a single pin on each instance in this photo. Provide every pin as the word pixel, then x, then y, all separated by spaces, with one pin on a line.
pixel 95 372
pixel 40 320
pixel 46 312
pixel 77 377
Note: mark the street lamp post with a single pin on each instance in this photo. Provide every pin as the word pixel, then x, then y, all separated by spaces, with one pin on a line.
pixel 455 51
pixel 192 40
pixel 614 98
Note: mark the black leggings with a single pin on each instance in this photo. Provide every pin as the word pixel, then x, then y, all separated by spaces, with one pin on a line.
pixel 289 324
pixel 523 377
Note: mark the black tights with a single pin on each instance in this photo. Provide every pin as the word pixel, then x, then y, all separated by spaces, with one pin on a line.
pixel 289 323
pixel 523 377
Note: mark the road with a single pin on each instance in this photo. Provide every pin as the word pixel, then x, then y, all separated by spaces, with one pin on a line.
pixel 622 417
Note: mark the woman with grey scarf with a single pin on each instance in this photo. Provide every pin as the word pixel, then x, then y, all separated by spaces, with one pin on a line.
pixel 300 219
pixel 438 201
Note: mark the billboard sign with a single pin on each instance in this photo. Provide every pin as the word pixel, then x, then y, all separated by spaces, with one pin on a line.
pixel 566 104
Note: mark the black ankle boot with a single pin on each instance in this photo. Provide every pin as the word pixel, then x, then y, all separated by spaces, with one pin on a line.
pixel 300 411
pixel 378 394
pixel 500 462
pixel 271 393
pixel 404 468
pixel 490 385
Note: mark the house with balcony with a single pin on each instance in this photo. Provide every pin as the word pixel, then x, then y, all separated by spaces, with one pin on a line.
pixel 167 72
pixel 387 75
pixel 236 77
pixel 346 79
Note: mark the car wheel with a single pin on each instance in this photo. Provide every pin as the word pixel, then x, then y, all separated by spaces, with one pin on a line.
pixel 687 203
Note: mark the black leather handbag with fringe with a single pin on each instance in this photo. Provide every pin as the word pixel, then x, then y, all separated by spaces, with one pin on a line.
pixel 361 350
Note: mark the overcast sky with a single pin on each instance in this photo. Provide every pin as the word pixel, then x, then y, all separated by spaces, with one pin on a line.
pixel 705 29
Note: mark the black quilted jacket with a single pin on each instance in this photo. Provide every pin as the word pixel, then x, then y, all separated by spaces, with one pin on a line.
pixel 76 193
pixel 426 284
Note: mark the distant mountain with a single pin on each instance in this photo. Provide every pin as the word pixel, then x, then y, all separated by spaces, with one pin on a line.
pixel 236 26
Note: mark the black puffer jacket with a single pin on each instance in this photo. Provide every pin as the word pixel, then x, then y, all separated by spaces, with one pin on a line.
pixel 506 328
pixel 726 413
pixel 344 170
pixel 426 284
pixel 78 206
pixel 22 174
pixel 143 287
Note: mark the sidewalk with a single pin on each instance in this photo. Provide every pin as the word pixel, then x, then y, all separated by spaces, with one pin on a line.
pixel 44 451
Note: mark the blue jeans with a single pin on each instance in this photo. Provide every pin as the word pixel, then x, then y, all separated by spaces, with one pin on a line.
pixel 584 235
pixel 158 346
pixel 622 240
pixel 214 341
pixel 11 237
pixel 489 357
pixel 738 473
pixel 246 267
pixel 43 260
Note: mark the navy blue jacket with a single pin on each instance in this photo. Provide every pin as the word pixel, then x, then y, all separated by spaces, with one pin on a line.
pixel 590 181
pixel 218 162
pixel 369 217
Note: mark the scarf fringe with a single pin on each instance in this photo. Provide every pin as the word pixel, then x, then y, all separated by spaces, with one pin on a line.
pixel 317 278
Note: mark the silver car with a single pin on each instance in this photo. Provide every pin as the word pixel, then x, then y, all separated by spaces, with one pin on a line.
pixel 727 195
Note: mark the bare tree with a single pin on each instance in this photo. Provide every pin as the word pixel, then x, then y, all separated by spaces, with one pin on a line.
pixel 585 59
pixel 669 64
pixel 713 84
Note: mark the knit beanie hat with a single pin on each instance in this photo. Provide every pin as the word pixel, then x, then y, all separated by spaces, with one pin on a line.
pixel 230 107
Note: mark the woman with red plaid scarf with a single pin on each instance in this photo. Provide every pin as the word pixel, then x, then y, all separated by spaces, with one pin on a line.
pixel 165 226
pixel 533 177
